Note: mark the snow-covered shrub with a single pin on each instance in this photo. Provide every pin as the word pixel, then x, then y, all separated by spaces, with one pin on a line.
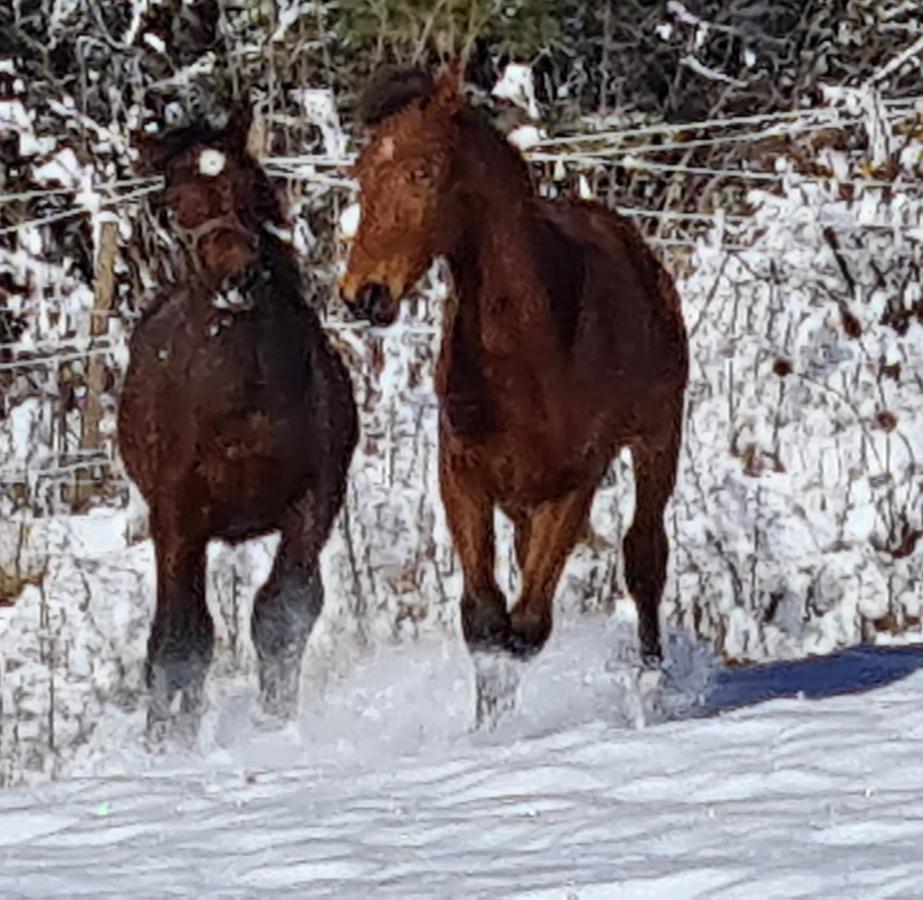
pixel 801 497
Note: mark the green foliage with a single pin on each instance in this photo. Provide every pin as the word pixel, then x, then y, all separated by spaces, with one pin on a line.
pixel 414 30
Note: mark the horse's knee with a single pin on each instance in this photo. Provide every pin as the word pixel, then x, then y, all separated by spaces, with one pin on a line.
pixel 485 621
pixel 285 612
pixel 179 654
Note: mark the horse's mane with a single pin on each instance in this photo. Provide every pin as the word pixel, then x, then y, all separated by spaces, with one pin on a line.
pixel 390 90
pixel 393 88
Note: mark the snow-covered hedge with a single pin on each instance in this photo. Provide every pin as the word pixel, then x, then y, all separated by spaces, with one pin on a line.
pixel 801 499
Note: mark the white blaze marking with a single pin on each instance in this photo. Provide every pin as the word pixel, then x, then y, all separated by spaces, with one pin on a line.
pixel 386 150
pixel 211 162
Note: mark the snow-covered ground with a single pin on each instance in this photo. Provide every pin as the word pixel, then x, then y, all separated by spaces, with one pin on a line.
pixel 382 787
pixel 797 778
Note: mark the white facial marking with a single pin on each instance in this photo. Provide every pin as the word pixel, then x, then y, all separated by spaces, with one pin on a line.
pixel 386 151
pixel 211 162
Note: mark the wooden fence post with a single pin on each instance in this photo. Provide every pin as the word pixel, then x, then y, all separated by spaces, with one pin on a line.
pixel 104 293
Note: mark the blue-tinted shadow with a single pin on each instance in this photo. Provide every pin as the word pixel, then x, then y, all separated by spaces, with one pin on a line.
pixel 852 671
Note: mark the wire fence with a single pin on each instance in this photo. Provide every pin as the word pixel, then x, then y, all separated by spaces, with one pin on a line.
pixel 630 149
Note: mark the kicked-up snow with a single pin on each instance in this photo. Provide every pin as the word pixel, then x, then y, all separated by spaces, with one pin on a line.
pixel 381 787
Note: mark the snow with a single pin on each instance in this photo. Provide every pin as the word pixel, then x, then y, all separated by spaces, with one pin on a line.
pixel 516 84
pixel 349 220
pixel 526 136
pixel 14 118
pixel 381 785
pixel 792 777
pixel 62 169
pixel 320 109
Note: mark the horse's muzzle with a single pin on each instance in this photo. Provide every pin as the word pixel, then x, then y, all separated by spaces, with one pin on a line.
pixel 375 304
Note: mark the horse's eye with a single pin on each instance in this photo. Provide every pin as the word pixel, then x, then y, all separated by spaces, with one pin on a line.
pixel 420 175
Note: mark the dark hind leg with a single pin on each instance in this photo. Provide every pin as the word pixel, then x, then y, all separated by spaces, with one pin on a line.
pixel 289 603
pixel 645 546
pixel 554 530
pixel 179 648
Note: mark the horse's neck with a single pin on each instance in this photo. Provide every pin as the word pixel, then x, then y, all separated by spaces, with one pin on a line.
pixel 503 304
pixel 269 281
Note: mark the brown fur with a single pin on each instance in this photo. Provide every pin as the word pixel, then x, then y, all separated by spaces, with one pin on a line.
pixel 564 344
pixel 234 421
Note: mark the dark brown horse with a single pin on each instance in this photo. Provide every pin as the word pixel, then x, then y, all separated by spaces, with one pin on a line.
pixel 565 343
pixel 236 419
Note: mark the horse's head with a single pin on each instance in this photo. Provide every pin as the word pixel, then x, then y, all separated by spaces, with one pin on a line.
pixel 212 190
pixel 405 193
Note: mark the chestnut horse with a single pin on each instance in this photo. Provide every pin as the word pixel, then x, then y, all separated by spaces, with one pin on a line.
pixel 236 419
pixel 564 343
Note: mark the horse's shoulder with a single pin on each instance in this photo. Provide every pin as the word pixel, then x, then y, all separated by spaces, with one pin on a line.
pixel 562 265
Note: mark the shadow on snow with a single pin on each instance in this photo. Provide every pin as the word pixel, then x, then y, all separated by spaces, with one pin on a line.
pixel 852 671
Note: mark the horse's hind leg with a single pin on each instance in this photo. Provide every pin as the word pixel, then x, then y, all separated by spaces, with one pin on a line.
pixel 522 533
pixel 555 528
pixel 179 648
pixel 645 546
pixel 289 603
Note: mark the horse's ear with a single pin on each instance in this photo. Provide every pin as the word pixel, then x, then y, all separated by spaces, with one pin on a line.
pixel 152 153
pixel 256 136
pixel 245 128
pixel 450 84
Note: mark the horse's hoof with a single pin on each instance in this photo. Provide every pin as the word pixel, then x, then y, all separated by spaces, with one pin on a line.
pixel 649 681
pixel 276 708
pixel 641 690
pixel 497 679
pixel 156 733
pixel 279 682
pixel 173 715
pixel 521 647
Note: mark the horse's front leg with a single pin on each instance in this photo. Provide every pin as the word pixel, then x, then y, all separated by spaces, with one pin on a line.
pixel 484 617
pixel 289 603
pixel 554 530
pixel 180 644
pixel 469 513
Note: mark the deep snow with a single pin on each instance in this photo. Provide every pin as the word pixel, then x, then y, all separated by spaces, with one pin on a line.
pixel 381 786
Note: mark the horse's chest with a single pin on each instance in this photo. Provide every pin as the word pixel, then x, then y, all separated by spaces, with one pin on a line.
pixel 526 464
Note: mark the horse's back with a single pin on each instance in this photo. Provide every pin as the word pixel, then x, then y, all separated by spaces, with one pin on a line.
pixel 630 320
